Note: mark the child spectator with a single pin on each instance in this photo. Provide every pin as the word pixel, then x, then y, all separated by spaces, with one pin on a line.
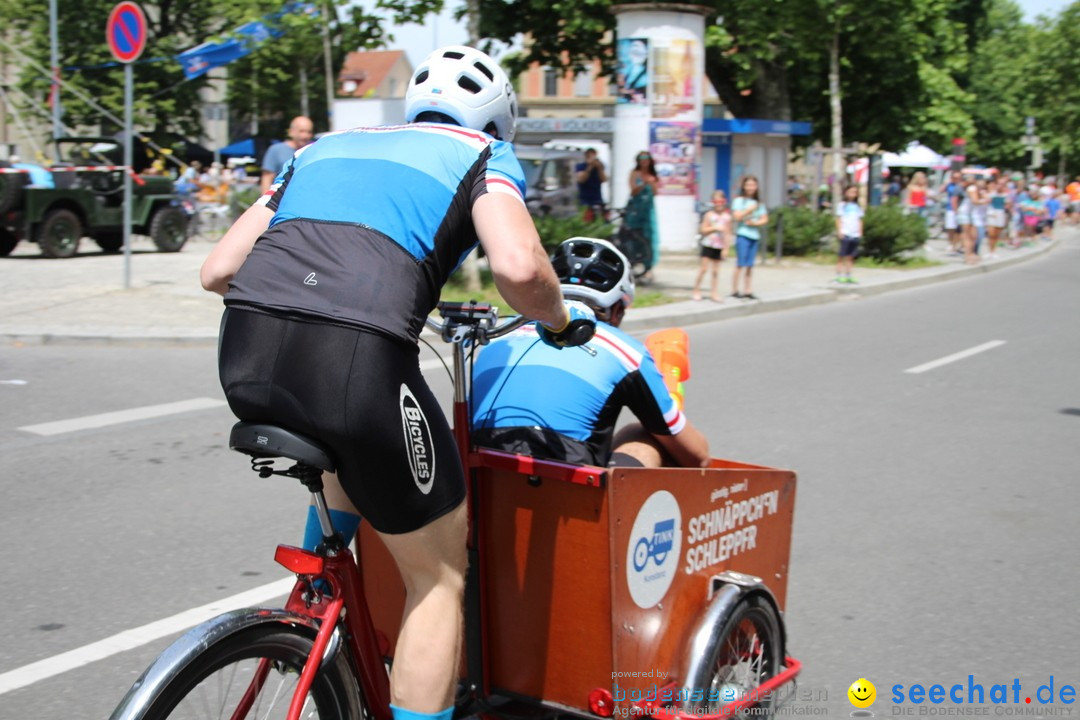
pixel 715 240
pixel 1053 208
pixel 1032 210
pixel 750 216
pixel 849 231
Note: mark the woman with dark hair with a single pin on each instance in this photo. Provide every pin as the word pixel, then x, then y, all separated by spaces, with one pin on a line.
pixel 750 216
pixel 640 210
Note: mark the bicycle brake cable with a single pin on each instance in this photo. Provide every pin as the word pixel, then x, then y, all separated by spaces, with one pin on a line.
pixel 445 366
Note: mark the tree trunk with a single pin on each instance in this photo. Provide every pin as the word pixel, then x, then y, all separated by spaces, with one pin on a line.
pixel 328 65
pixel 837 119
pixel 304 91
pixel 470 269
pixel 770 97
pixel 1063 155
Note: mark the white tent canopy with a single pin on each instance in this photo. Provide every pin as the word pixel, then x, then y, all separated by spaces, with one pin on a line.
pixel 915 155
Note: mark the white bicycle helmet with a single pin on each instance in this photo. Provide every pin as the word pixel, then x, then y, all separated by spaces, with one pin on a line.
pixel 467 86
pixel 595 272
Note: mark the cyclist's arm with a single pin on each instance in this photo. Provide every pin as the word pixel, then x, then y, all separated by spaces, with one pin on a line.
pixel 229 254
pixel 645 393
pixel 689 448
pixel 522 271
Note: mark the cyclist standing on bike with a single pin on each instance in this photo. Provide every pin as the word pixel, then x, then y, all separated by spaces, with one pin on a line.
pixel 584 389
pixel 328 279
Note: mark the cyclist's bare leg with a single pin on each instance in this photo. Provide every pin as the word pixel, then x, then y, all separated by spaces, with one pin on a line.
pixel 432 564
pixel 343 515
pixel 634 441
pixel 336 499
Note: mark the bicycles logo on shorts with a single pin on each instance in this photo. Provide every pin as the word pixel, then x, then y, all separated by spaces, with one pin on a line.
pixel 419 448
pixel 652 549
pixel 656 547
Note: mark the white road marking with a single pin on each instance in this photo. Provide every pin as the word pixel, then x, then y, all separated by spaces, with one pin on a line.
pixel 13 382
pixel 955 356
pixel 135 637
pixel 122 416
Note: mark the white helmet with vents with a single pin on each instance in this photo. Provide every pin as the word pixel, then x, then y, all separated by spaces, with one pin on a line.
pixel 467 86
pixel 593 271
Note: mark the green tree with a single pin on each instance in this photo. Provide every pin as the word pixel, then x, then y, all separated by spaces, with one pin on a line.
pixel 899 64
pixel 1001 65
pixel 90 66
pixel 165 103
pixel 271 85
pixel 1054 94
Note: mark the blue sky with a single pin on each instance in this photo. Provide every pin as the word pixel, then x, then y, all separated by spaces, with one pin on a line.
pixel 1034 8
pixel 418 41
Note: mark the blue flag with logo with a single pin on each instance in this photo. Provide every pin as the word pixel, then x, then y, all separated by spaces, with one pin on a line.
pixel 244 41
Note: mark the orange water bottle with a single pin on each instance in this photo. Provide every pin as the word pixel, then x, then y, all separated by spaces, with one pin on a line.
pixel 671 350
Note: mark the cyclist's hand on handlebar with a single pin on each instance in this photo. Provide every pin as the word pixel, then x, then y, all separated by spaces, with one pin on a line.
pixel 579 327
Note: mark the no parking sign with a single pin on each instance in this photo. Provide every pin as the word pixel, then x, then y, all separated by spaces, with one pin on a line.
pixel 126 32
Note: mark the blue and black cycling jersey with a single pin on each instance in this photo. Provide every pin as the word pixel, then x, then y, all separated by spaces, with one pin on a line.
pixel 369 223
pixel 533 399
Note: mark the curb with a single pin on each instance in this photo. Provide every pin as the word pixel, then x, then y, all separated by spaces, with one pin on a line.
pixel 692 313
pixel 688 312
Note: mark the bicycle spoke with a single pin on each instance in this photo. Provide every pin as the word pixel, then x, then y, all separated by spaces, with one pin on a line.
pixel 284 678
pixel 225 694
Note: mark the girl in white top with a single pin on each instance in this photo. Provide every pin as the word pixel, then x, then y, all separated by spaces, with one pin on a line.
pixel 715 240
pixel 977 200
pixel 997 214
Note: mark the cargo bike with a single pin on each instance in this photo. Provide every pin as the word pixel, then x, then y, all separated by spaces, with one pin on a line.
pixel 592 592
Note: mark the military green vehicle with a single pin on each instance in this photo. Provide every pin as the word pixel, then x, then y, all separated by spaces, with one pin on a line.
pixel 86 200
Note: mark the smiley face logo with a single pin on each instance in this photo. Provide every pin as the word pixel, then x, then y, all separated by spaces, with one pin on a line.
pixel 862 693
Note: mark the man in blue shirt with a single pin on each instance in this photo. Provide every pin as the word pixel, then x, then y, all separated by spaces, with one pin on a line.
pixel 301 130
pixel 563 405
pixel 590 177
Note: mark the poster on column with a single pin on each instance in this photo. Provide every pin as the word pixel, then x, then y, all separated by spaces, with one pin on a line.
pixel 632 75
pixel 674 79
pixel 674 147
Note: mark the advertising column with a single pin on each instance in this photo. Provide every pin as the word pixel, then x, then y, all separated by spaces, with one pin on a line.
pixel 658 111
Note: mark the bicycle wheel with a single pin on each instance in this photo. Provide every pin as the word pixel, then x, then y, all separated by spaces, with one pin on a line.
pixel 637 250
pixel 748 653
pixel 253 674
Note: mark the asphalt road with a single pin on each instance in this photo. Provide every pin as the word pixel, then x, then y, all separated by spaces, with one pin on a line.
pixel 936 533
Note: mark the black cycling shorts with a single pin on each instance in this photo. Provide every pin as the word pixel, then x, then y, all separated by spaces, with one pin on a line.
pixel 358 393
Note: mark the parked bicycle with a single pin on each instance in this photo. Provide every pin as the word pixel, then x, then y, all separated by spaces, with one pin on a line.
pixel 633 243
pixel 594 570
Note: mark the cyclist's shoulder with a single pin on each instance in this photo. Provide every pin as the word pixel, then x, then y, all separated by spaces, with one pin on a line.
pixel 615 343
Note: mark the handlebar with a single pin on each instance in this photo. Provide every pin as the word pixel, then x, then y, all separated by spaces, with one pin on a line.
pixel 472 321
